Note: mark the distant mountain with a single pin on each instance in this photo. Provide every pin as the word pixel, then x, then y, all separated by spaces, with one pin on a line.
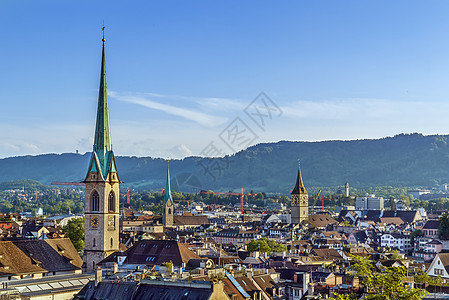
pixel 402 160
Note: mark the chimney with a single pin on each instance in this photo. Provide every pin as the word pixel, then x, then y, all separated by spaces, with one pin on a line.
pixel 217 288
pixel 310 289
pixel 98 275
pixel 305 282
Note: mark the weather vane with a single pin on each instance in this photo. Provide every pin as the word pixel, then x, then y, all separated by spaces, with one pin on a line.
pixel 102 28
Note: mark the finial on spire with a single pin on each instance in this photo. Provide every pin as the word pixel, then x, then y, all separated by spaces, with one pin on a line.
pixel 102 29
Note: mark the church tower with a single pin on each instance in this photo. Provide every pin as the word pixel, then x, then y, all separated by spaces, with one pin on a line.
pixel 300 201
pixel 167 214
pixel 101 204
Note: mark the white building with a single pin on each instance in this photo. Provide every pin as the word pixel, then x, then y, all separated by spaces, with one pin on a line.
pixel 440 266
pixel 369 202
pixel 396 240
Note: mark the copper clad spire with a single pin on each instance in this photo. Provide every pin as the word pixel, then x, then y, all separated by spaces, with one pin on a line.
pixel 299 186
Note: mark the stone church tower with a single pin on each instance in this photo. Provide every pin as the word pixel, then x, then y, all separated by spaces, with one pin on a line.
pixel 300 201
pixel 101 203
pixel 167 214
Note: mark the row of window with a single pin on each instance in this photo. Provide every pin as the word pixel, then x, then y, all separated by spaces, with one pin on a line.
pixel 95 201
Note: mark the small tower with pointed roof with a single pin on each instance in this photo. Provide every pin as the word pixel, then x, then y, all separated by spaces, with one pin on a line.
pixel 102 192
pixel 167 215
pixel 300 201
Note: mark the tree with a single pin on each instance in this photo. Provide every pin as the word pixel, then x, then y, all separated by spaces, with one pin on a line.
pixel 265 245
pixel 405 199
pixel 275 246
pixel 393 203
pixel 74 230
pixel 385 284
pixel 443 229
pixel 258 245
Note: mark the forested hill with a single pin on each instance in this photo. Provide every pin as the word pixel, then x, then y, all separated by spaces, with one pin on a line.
pixel 403 160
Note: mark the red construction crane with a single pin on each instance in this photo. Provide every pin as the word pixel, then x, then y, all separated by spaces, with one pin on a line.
pixel 127 194
pixel 231 193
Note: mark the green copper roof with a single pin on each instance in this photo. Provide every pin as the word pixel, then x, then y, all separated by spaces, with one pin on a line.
pixel 299 186
pixel 102 140
pixel 167 194
pixel 102 150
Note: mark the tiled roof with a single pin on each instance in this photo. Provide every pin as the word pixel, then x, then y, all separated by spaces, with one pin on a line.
pixel 321 220
pixel 32 256
pixel 432 224
pixel 155 252
pixel 190 220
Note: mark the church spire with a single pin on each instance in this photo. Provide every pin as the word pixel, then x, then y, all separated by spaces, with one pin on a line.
pixel 299 187
pixel 102 142
pixel 102 159
pixel 167 195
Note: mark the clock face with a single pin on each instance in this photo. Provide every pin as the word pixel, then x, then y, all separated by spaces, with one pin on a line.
pixel 304 199
pixel 168 203
pixel 94 221
pixel 111 221
pixel 295 199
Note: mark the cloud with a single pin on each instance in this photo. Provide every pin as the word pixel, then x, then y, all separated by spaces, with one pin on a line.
pixel 190 114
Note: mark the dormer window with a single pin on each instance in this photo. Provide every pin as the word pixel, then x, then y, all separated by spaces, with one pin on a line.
pixel 93 176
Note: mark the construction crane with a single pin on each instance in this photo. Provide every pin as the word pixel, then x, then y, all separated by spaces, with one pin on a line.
pixel 127 195
pixel 231 193
pixel 322 202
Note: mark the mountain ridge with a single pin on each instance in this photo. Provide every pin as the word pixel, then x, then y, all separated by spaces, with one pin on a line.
pixel 402 160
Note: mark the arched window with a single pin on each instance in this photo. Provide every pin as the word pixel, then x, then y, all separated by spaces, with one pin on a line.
pixel 111 201
pixel 94 243
pixel 169 211
pixel 95 201
pixel 112 242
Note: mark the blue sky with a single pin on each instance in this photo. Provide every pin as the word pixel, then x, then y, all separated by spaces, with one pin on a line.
pixel 179 73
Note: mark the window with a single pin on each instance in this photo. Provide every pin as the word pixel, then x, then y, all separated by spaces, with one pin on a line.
pixel 95 201
pixel 112 242
pixel 169 211
pixel 111 201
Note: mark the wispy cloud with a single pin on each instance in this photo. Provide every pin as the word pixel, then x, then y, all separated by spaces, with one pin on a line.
pixel 190 114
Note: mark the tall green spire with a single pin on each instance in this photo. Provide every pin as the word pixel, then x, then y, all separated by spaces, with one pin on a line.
pixel 102 142
pixel 167 195
pixel 102 159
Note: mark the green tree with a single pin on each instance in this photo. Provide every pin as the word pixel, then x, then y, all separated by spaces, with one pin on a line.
pixel 387 284
pixel 393 204
pixel 265 245
pixel 275 246
pixel 405 199
pixel 74 230
pixel 258 245
pixel 443 229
